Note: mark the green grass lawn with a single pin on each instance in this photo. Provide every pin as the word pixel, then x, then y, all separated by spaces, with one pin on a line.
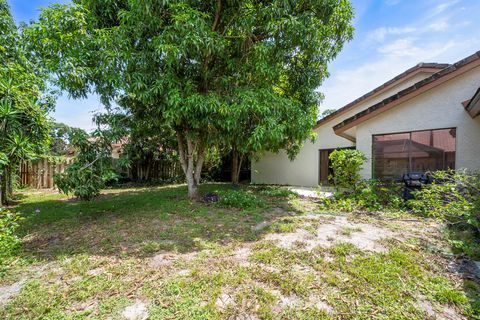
pixel 262 253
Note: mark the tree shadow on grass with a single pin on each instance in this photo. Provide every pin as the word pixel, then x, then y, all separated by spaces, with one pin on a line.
pixel 464 244
pixel 142 222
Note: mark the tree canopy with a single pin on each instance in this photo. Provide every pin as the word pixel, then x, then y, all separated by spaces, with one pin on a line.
pixel 24 122
pixel 221 71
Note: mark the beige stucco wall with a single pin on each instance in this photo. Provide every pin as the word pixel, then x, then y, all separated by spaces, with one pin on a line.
pixel 303 170
pixel 437 108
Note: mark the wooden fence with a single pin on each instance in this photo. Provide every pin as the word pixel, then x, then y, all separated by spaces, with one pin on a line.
pixel 154 170
pixel 39 174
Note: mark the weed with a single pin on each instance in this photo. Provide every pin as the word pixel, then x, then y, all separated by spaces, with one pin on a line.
pixel 239 199
pixel 348 231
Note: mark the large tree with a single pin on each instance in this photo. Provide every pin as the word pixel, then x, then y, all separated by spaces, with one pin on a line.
pixel 207 69
pixel 24 124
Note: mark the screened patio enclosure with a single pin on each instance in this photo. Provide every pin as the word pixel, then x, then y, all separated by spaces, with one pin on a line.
pixel 418 151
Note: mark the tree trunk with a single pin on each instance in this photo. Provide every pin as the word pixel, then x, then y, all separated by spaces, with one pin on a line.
pixel 4 186
pixel 192 155
pixel 147 173
pixel 9 183
pixel 192 188
pixel 3 191
pixel 237 159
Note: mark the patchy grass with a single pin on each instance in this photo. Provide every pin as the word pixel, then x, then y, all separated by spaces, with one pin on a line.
pixel 348 231
pixel 187 260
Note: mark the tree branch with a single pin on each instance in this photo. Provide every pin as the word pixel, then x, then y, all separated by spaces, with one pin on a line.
pixel 216 22
pixel 239 169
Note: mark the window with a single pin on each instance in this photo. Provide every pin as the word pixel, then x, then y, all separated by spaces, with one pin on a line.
pixel 419 151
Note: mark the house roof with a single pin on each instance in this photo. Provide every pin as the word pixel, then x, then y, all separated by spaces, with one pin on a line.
pixel 421 67
pixel 428 83
pixel 473 106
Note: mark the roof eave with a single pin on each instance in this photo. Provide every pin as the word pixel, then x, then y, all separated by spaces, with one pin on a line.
pixel 420 68
pixel 473 106
pixel 418 88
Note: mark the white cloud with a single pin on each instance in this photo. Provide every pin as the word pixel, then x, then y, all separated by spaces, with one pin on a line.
pixel 380 34
pixel 441 33
pixel 394 58
pixel 383 33
pixel 440 25
pixel 400 48
pixel 443 6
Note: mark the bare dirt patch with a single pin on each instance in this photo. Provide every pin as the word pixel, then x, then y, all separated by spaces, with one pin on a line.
pixel 363 235
pixel 8 291
pixel 224 300
pixel 136 311
pixel 163 259
pixel 439 312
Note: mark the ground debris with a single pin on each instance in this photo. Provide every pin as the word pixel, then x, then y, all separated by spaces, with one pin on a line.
pixel 439 312
pixel 168 258
pixel 260 226
pixel 465 267
pixel 224 300
pixel 9 291
pixel 136 311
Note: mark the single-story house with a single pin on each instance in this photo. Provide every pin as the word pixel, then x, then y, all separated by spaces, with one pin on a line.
pixel 426 118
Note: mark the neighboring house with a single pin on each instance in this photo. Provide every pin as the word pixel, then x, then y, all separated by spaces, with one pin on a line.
pixel 117 147
pixel 423 119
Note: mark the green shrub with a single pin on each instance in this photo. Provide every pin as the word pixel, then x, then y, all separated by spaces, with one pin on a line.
pixel 9 242
pixel 464 241
pixel 239 199
pixel 339 202
pixel 346 164
pixel 275 191
pixel 377 195
pixel 452 196
pixel 92 167
pixel 369 195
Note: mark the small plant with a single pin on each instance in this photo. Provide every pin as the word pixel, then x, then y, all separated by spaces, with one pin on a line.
pixel 284 225
pixel 453 196
pixel 339 202
pixel 348 231
pixel 346 164
pixel 91 169
pixel 353 193
pixel 9 242
pixel 370 196
pixel 343 249
pixel 275 191
pixel 375 195
pixel 239 199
